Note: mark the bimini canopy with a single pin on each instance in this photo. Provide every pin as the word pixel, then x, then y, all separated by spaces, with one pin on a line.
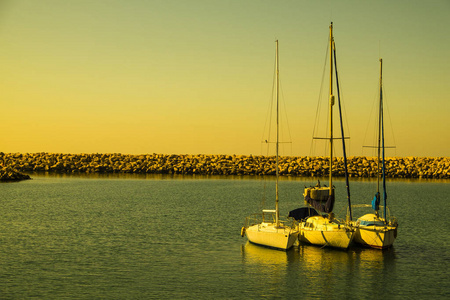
pixel 302 213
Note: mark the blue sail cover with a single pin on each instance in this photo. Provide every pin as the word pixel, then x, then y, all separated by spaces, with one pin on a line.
pixel 376 202
pixel 318 205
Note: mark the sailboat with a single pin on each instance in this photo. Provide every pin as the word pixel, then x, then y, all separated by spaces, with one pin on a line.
pixel 373 229
pixel 314 228
pixel 266 228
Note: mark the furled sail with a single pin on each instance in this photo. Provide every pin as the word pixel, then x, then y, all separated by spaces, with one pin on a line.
pixel 326 208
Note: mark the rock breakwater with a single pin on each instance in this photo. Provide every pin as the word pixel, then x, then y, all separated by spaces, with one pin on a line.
pixel 8 173
pixel 358 166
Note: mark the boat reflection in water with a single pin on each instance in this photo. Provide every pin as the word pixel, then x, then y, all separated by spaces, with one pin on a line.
pixel 315 258
pixel 318 267
pixel 255 254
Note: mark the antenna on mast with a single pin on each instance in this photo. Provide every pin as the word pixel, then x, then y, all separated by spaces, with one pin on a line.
pixel 379 48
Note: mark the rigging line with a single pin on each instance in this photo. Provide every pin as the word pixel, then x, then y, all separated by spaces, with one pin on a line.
pixel 344 154
pixel 327 126
pixel 316 121
pixel 379 48
pixel 385 104
pixel 268 125
pixel 328 119
pixel 285 114
pixel 371 121
pixel 271 105
pixel 346 118
pixel 344 110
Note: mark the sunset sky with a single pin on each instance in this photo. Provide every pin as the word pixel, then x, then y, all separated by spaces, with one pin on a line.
pixel 195 77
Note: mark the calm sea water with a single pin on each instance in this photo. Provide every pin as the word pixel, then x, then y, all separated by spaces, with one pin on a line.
pixel 137 237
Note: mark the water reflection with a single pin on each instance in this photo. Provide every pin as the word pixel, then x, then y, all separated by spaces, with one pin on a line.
pixel 151 176
pixel 303 180
pixel 324 272
pixel 254 254
pixel 316 258
pixel 358 259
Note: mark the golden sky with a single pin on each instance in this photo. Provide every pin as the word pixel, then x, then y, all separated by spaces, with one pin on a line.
pixel 195 77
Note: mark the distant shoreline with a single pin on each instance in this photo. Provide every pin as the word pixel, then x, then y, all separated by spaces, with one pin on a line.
pixel 302 166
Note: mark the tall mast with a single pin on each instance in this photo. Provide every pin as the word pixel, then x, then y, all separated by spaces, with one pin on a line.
pixel 331 109
pixel 380 121
pixel 344 152
pixel 382 137
pixel 277 214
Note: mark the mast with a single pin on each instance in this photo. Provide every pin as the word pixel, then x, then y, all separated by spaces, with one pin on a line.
pixel 380 109
pixel 331 109
pixel 277 213
pixel 382 137
pixel 343 136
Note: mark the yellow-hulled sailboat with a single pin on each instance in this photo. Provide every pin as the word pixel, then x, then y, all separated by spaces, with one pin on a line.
pixel 374 229
pixel 325 230
pixel 266 228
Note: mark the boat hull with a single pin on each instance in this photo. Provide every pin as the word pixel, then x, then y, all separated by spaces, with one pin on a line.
pixel 379 237
pixel 372 231
pixel 269 235
pixel 318 230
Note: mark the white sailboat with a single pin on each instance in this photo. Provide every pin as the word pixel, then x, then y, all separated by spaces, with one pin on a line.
pixel 325 230
pixel 374 229
pixel 266 228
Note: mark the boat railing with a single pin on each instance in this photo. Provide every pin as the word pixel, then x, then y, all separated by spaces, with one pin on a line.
pixel 267 216
pixel 390 219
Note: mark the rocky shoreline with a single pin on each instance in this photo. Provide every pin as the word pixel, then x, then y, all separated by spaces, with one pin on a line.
pixel 358 166
pixel 8 173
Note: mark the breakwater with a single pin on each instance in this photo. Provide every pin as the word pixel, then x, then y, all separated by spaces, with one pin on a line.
pixel 8 173
pixel 358 166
